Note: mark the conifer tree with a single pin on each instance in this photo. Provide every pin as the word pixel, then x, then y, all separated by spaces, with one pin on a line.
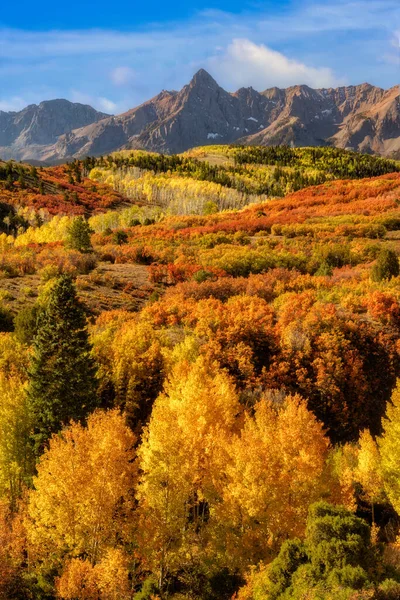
pixel 62 374
pixel 79 235
pixel 386 266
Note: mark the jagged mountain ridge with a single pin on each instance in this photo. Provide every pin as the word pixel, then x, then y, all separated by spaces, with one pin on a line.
pixel 363 117
pixel 30 132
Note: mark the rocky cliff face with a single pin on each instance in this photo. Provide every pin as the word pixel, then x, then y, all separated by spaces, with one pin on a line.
pixel 29 133
pixel 362 117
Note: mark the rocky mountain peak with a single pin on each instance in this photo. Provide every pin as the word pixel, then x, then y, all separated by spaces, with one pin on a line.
pixel 363 117
pixel 202 79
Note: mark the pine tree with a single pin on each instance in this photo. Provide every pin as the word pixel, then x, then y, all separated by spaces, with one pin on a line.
pixel 386 266
pixel 79 235
pixel 10 182
pixel 62 374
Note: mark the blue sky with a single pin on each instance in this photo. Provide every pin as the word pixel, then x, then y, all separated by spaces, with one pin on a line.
pixel 116 58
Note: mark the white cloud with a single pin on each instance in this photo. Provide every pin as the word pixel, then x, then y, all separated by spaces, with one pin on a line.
pixel 122 75
pixel 245 63
pixel 13 104
pixel 392 57
pixel 106 105
pixel 98 102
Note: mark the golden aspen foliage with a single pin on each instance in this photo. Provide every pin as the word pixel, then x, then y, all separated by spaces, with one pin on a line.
pixel 16 464
pixel 182 463
pixel 12 551
pixel 16 459
pixel 77 581
pixel 275 473
pixel 368 470
pixel 83 489
pixel 131 364
pixel 342 461
pixel 102 335
pixel 180 195
pixel 53 231
pixel 137 367
pixel 186 350
pixel 107 580
pixel 14 357
pixel 112 576
pixel 389 446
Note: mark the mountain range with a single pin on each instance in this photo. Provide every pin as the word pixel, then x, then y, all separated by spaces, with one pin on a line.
pixel 363 117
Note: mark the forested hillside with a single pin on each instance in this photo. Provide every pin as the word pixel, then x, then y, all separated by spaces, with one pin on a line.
pixel 199 377
pixel 229 176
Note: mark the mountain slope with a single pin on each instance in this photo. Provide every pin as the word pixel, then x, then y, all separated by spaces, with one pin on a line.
pixel 172 121
pixel 27 134
pixel 363 117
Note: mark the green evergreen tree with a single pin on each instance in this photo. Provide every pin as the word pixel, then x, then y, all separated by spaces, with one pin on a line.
pixel 79 235
pixel 10 182
pixel 336 559
pixel 62 373
pixel 386 266
pixel 21 181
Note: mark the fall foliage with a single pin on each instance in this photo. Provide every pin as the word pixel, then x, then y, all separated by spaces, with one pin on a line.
pixel 199 367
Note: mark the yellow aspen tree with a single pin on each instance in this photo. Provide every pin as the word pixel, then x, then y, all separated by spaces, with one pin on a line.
pixel 14 357
pixel 12 552
pixel 368 471
pixel 83 490
pixel 182 463
pixel 77 581
pixel 107 580
pixel 131 364
pixel 389 446
pixel 341 466
pixel 16 459
pixel 137 370
pixel 112 576
pixel 275 473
